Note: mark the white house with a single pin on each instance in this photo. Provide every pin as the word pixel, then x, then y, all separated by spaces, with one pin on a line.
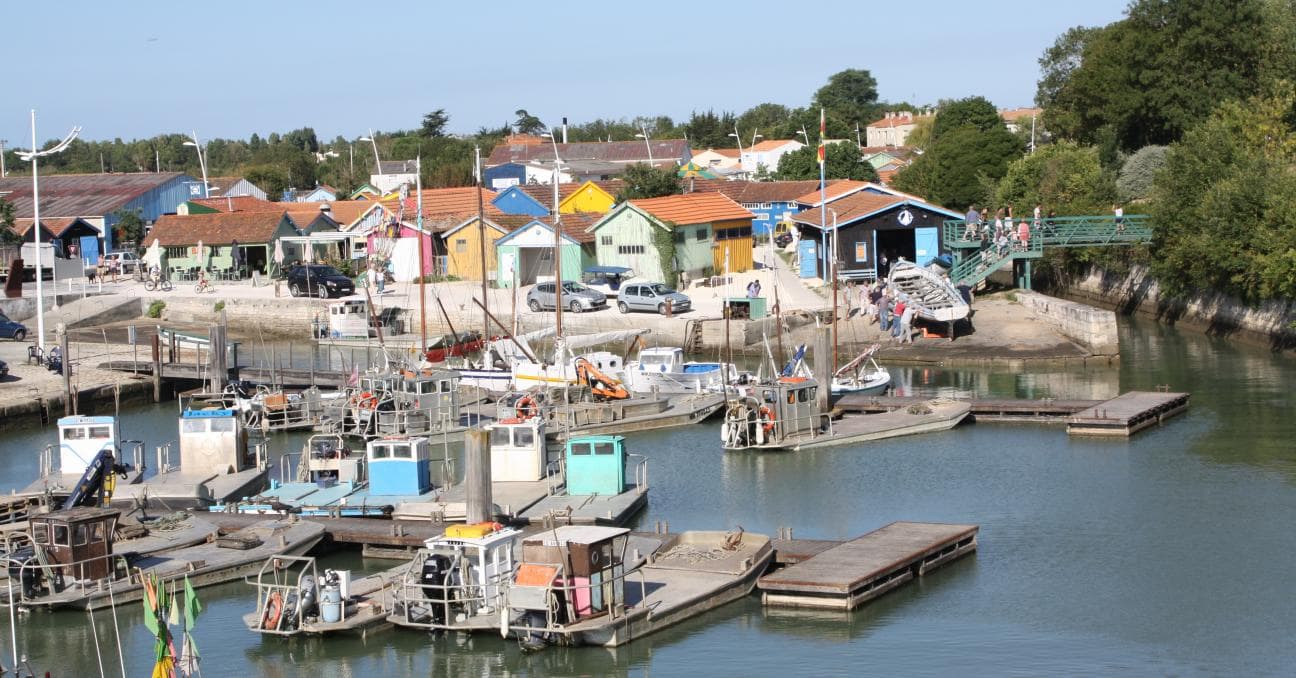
pixel 767 154
pixel 395 173
pixel 892 130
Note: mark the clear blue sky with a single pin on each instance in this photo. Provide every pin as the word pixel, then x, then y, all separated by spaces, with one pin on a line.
pixel 234 67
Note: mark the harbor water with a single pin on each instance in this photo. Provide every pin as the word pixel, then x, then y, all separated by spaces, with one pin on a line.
pixel 1165 554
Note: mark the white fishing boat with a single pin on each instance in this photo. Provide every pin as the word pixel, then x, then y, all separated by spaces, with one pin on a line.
pixel 930 292
pixel 862 375
pixel 664 370
pixel 564 370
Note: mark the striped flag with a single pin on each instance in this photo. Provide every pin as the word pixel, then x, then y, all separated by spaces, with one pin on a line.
pixel 823 127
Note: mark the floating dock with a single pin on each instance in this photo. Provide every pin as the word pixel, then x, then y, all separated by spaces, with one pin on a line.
pixel 1123 415
pixel 849 574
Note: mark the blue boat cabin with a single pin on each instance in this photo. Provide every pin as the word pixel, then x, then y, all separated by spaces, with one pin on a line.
pixel 399 466
pixel 596 465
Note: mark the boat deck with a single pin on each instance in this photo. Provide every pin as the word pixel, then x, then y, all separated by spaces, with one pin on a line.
pixel 450 503
pixel 1127 414
pixel 564 509
pixel 858 428
pixel 852 573
pixel 178 489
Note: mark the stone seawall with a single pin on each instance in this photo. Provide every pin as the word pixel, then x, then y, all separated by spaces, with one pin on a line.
pixel 1272 323
pixel 1093 328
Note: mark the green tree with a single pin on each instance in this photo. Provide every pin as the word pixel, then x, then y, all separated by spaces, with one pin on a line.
pixel 271 178
pixel 645 181
pixel 1063 177
pixel 1057 65
pixel 434 123
pixel 976 112
pixel 843 162
pixel 770 120
pixel 961 166
pixel 1221 209
pixel 7 234
pixel 708 130
pixel 527 123
pixel 921 135
pixel 850 96
pixel 129 227
pixel 1139 171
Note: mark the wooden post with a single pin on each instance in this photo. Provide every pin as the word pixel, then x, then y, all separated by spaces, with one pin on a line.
pixel 477 476
pixel 157 369
pixel 823 365
pixel 218 370
pixel 69 398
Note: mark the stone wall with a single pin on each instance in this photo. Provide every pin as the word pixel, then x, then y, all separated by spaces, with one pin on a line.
pixel 1272 323
pixel 1093 328
pixel 274 317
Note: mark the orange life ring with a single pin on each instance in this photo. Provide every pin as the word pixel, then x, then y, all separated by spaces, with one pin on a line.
pixel 274 610
pixel 767 416
pixel 365 400
pixel 527 407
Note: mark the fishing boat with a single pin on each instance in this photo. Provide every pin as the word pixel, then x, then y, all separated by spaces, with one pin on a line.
pixel 862 375
pixel 72 564
pixel 493 370
pixel 293 599
pixel 398 402
pixel 784 415
pixel 664 370
pixel 569 358
pixel 458 580
pixel 930 292
pixel 83 442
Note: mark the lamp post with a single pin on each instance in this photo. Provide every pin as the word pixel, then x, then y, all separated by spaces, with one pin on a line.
pixel 834 280
pixel 557 253
pixel 32 156
pixel 3 173
pixel 643 136
pixel 373 140
pixel 202 162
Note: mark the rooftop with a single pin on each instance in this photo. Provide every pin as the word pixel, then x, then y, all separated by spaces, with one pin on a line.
pixel 54 225
pixel 693 208
pixel 219 228
pixel 772 145
pixel 726 152
pixel 574 226
pixel 756 192
pixel 82 195
pixel 1015 114
pixel 608 151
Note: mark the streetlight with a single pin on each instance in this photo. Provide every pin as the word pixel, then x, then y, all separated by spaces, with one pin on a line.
pixel 32 156
pixel 643 136
pixel 202 162
pixel 557 253
pixel 373 140
pixel 3 174
pixel 756 136
pixel 804 134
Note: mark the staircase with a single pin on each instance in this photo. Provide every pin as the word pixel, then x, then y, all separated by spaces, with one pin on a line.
pixel 975 260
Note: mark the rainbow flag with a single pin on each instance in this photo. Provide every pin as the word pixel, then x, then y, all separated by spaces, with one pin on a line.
pixel 823 127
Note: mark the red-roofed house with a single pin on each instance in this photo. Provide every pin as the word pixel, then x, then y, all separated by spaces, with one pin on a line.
pixel 708 230
pixel 767 154
pixel 892 130
pixel 867 222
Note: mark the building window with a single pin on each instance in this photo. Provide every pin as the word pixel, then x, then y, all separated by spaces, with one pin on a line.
pixel 177 252
pixel 461 245
pixel 630 249
pixel 606 240
pixel 701 234
pixel 679 237
pixel 861 251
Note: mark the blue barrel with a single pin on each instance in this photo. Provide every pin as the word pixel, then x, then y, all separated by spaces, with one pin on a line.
pixel 331 604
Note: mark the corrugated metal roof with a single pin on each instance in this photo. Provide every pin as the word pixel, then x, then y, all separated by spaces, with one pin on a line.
pixel 82 195
pixel 693 208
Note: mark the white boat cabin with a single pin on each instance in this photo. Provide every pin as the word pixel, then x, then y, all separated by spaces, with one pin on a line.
pixel 81 438
pixel 517 450
pixel 214 441
pixel 348 318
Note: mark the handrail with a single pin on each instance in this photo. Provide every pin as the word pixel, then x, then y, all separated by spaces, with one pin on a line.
pixel 1076 231
pixel 641 473
pixel 122 566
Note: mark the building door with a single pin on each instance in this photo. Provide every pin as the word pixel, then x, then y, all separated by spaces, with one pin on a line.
pixel 507 268
pixel 89 249
pixel 926 245
pixel 809 255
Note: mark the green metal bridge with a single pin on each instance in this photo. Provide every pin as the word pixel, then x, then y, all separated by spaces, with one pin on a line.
pixel 975 259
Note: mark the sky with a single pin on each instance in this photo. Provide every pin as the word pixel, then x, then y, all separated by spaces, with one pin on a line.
pixel 231 68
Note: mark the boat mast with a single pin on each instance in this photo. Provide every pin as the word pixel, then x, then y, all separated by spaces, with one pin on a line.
pixel 418 220
pixel 481 236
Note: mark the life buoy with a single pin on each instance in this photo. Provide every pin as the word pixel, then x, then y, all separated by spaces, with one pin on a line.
pixel 510 420
pixel 366 401
pixel 274 610
pixel 527 407
pixel 767 418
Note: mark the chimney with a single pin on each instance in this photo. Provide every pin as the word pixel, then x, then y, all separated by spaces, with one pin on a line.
pixel 564 129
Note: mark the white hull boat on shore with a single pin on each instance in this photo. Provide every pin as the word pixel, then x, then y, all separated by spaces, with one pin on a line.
pixel 930 292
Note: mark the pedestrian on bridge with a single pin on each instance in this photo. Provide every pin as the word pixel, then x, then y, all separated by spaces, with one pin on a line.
pixel 973 220
pixel 1023 234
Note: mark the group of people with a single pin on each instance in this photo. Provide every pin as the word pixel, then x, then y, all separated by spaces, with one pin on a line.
pixel 1001 234
pixel 882 304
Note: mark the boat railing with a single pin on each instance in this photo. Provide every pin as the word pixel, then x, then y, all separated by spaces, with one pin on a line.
pixel 418 599
pixel 555 475
pixel 640 463
pixel 568 593
pixel 136 454
pixel 275 577
pixel 47 461
pixel 164 458
pixel 63 576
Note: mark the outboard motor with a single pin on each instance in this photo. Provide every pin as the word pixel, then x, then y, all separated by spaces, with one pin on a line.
pixel 308 596
pixel 434 577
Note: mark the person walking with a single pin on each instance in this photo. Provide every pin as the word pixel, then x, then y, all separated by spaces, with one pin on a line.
pixel 1119 212
pixel 1023 235
pixel 898 314
pixel 973 220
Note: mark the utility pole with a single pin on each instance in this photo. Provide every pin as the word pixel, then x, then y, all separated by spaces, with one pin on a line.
pixel 3 173
pixel 481 236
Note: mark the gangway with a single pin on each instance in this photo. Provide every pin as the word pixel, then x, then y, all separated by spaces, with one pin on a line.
pixel 976 257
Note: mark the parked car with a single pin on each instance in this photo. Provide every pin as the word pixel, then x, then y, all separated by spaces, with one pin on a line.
pixel 575 297
pixel 10 329
pixel 126 262
pixel 318 280
pixel 606 279
pixel 652 297
pixel 783 239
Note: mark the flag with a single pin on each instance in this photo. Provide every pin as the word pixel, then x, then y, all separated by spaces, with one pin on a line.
pixel 823 129
pixel 173 616
pixel 191 604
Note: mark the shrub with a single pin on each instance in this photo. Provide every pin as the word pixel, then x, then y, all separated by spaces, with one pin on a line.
pixel 218 307
pixel 155 309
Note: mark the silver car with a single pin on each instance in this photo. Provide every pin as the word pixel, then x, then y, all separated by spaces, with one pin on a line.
pixel 652 297
pixel 575 297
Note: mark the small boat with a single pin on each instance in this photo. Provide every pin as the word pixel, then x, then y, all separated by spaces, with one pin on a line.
pixel 72 564
pixel 82 440
pixel 398 402
pixel 292 598
pixel 784 415
pixel 664 370
pixel 862 375
pixel 458 580
pixel 930 291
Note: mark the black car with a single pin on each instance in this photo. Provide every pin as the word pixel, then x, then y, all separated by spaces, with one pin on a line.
pixel 318 280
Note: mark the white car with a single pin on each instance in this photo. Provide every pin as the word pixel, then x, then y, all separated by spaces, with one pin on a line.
pixel 126 262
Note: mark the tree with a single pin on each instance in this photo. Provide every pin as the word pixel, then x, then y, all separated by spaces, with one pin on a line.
pixel 645 181
pixel 434 123
pixel 708 130
pixel 976 112
pixel 1221 209
pixel 527 123
pixel 843 162
pixel 7 235
pixel 129 227
pixel 1064 177
pixel 920 136
pixel 1056 67
pixel 771 120
pixel 303 139
pixel 850 96
pixel 1137 174
pixel 960 166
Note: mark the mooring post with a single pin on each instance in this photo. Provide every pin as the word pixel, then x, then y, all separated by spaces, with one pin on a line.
pixel 157 369
pixel 823 366
pixel 216 352
pixel 69 403
pixel 477 476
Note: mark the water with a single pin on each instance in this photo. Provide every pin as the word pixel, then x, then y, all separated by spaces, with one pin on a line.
pixel 1166 554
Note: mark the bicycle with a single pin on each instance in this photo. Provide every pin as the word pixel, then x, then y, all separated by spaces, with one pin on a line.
pixel 156 281
pixel 203 285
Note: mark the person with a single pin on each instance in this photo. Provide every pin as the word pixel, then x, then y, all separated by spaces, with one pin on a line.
pixel 1023 234
pixel 973 219
pixel 753 289
pixel 373 276
pixel 1001 244
pixel 112 268
pixel 1036 225
pixel 236 256
pixel 898 315
pixel 884 266
pixel 906 325
pixel 884 312
pixel 1049 223
pixel 1120 217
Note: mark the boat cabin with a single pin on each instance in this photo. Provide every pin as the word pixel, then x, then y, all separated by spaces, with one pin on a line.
pixel 331 463
pixel 81 438
pixel 583 561
pixel 596 465
pixel 214 441
pixel 399 466
pixel 517 450
pixel 792 399
pixel 436 390
pixel 481 554
pixel 606 279
pixel 661 359
pixel 79 539
pixel 348 318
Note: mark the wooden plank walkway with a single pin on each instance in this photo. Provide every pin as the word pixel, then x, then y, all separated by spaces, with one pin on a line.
pixel 1127 414
pixel 291 377
pixel 866 567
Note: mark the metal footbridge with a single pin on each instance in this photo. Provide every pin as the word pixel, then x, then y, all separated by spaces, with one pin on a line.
pixel 976 256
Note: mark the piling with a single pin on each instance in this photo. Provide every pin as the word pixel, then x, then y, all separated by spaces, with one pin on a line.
pixel 217 371
pixel 69 398
pixel 157 368
pixel 823 366
pixel 480 506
